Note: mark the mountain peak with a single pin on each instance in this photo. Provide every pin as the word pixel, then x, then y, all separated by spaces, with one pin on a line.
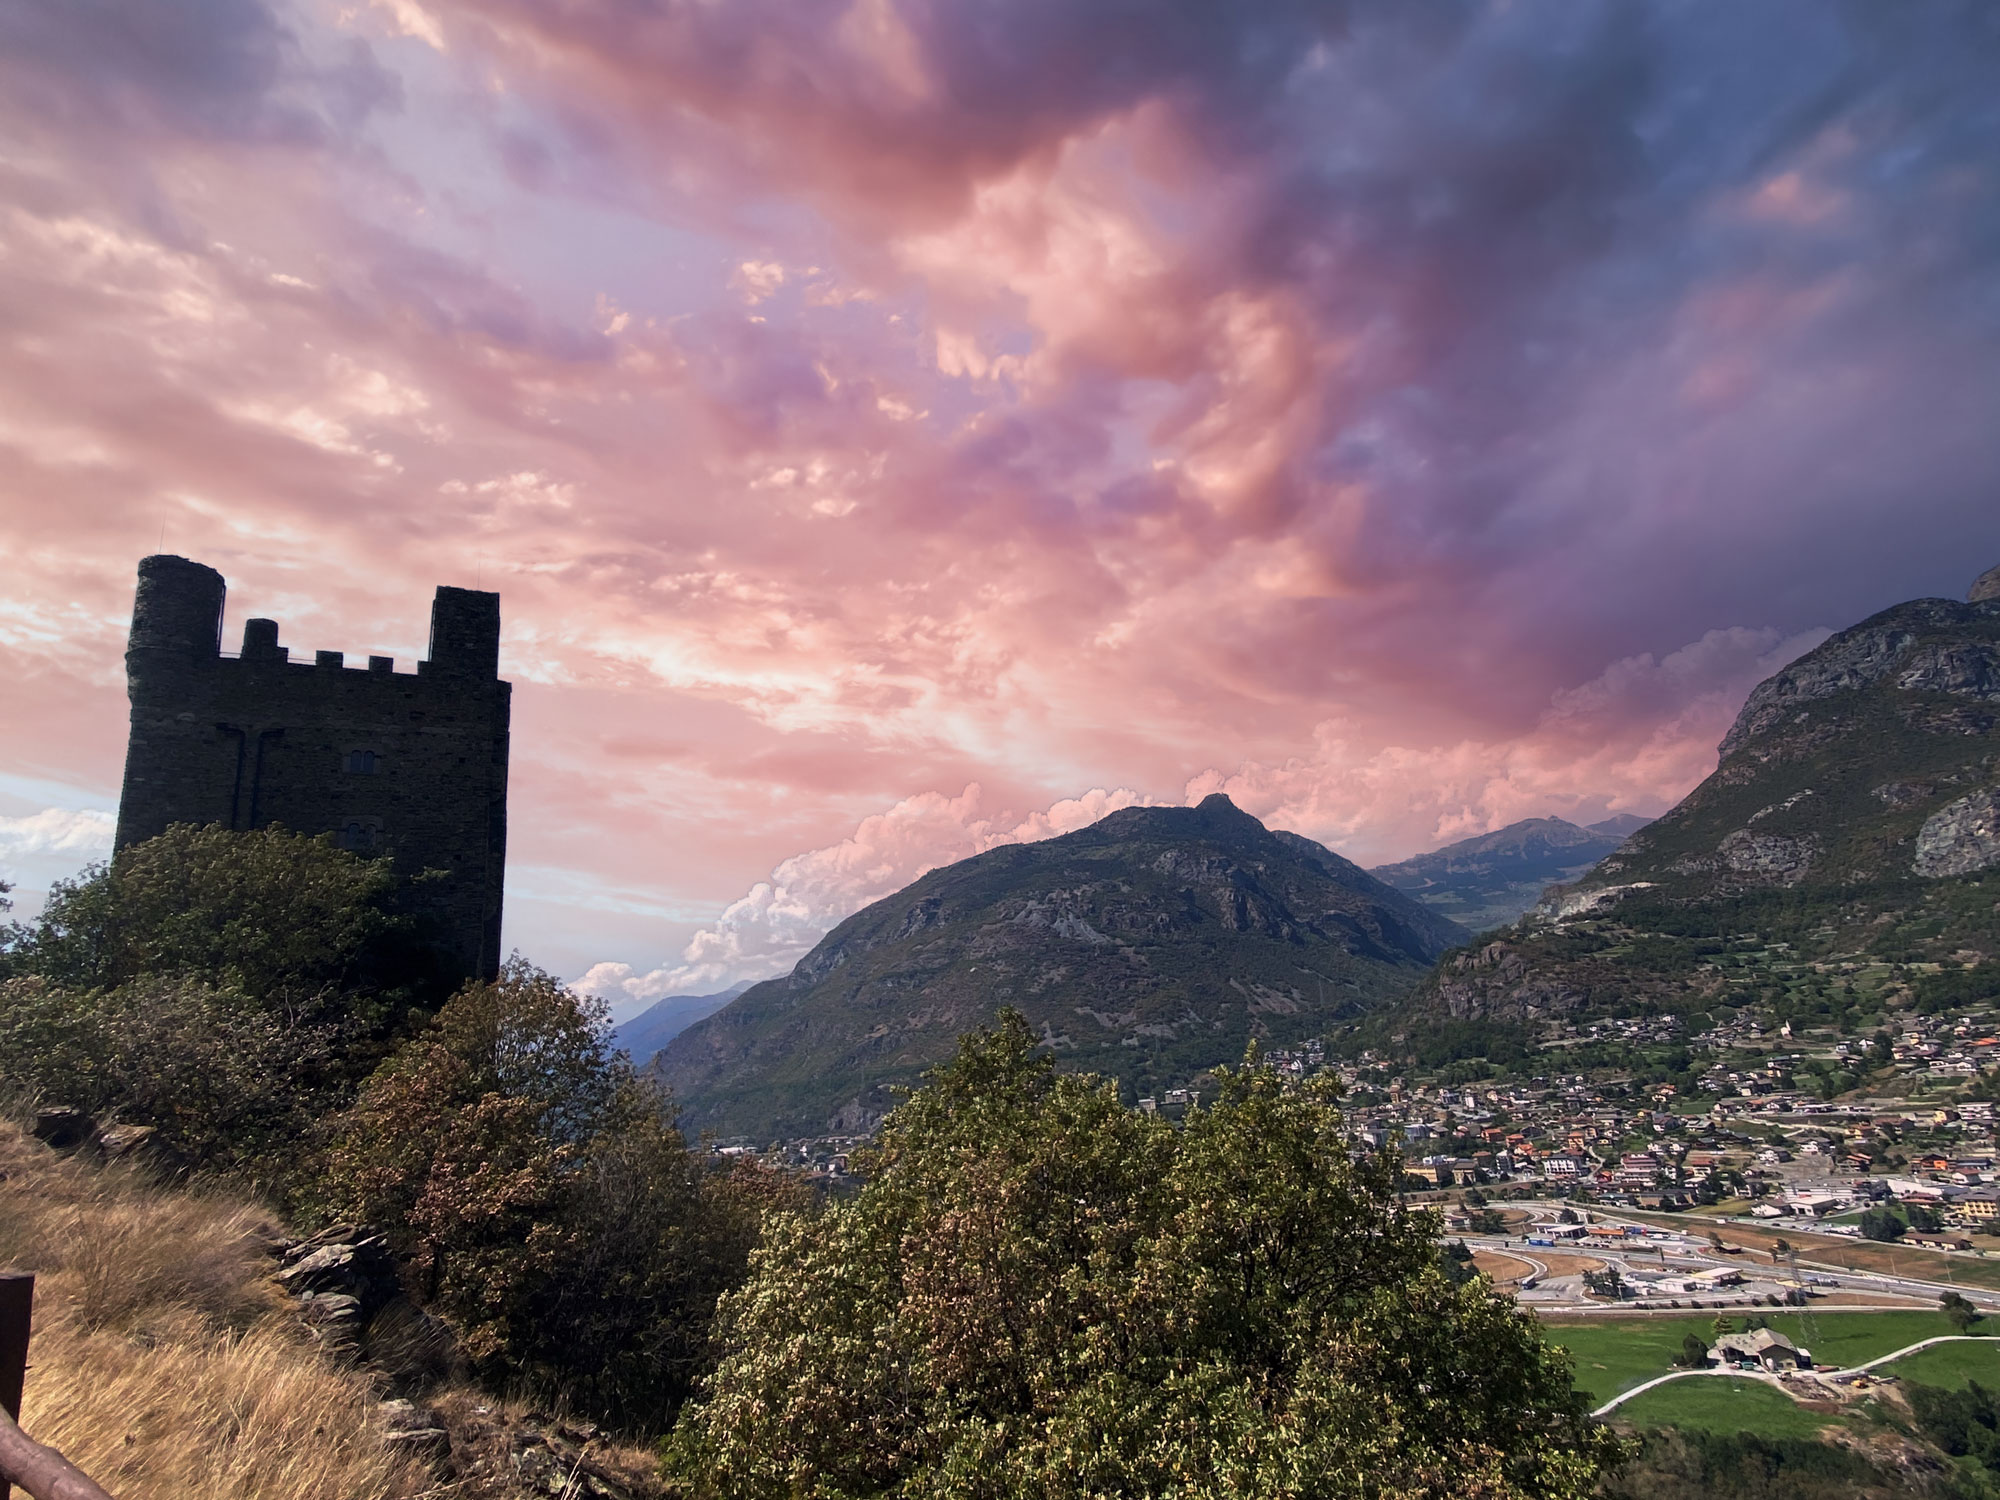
pixel 1218 812
pixel 1930 646
pixel 1985 587
pixel 1151 945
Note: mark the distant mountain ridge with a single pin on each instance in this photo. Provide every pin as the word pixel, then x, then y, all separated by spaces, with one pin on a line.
pixel 646 1033
pixel 1494 878
pixel 1148 946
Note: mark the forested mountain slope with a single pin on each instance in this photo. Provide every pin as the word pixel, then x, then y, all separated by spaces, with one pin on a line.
pixel 1148 946
pixel 1854 819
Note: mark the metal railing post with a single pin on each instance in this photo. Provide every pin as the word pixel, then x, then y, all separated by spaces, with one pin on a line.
pixel 17 1305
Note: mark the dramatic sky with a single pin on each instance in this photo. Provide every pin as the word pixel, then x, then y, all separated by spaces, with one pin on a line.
pixel 900 426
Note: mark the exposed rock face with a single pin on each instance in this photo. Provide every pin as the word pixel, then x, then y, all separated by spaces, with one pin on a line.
pixel 1768 856
pixel 1961 838
pixel 1559 904
pixel 1495 983
pixel 1874 755
pixel 1149 945
pixel 1986 587
pixel 1836 763
pixel 340 1278
pixel 1922 644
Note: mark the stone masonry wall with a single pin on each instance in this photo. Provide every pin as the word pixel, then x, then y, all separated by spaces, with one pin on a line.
pixel 413 765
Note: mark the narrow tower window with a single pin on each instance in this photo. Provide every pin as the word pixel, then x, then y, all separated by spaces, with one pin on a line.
pixel 361 762
pixel 360 835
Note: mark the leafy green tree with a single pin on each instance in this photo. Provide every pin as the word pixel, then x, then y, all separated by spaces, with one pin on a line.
pixel 1959 1309
pixel 228 989
pixel 1882 1224
pixel 275 915
pixel 544 1203
pixel 1608 1282
pixel 224 1083
pixel 1458 1263
pixel 1040 1292
pixel 1694 1352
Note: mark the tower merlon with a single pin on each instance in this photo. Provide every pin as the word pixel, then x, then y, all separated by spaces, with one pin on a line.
pixel 178 608
pixel 465 633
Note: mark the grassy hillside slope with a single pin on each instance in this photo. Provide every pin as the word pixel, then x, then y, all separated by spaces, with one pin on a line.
pixel 164 1362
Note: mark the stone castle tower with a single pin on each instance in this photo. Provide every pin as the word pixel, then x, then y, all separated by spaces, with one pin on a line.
pixel 408 764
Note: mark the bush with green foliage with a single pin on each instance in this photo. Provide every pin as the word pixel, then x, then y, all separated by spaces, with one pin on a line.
pixel 1958 1308
pixel 226 1084
pixel 276 915
pixel 1954 989
pixel 226 988
pixel 1965 1423
pixel 1674 1464
pixel 543 1201
pixel 1038 1291
pixel 1882 1224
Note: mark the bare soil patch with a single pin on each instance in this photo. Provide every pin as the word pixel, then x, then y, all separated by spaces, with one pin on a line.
pixel 1504 1269
pixel 1561 1264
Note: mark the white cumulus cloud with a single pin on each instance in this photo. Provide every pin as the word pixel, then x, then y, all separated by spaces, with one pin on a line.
pixel 775 924
pixel 78 833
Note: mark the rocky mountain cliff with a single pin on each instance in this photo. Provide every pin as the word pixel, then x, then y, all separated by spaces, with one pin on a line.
pixel 1148 946
pixel 1854 818
pixel 1492 880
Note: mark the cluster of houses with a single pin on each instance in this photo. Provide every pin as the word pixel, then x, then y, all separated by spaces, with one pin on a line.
pixel 1752 1133
pixel 1780 1147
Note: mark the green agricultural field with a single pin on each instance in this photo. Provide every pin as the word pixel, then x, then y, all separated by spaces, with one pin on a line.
pixel 1615 1354
pixel 1951 1365
pixel 1711 1404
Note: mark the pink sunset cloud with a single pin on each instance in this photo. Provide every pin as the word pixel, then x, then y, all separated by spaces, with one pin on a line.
pixel 1404 418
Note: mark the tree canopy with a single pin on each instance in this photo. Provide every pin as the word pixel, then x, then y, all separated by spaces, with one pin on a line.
pixel 226 988
pixel 542 1199
pixel 271 914
pixel 1039 1291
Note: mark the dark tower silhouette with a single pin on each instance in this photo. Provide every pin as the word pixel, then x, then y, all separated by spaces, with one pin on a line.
pixel 412 765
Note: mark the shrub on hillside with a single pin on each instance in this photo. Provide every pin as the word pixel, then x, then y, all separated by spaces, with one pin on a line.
pixel 291 922
pixel 1676 1464
pixel 228 989
pixel 226 1084
pixel 541 1199
pixel 1965 1423
pixel 1039 1291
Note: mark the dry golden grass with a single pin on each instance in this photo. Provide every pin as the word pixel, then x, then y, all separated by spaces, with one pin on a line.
pixel 164 1363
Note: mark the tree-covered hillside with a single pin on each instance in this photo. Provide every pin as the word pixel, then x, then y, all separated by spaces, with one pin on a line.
pixel 1854 820
pixel 1148 947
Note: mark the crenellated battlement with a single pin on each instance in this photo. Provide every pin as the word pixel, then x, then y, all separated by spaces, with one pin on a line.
pixel 409 765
